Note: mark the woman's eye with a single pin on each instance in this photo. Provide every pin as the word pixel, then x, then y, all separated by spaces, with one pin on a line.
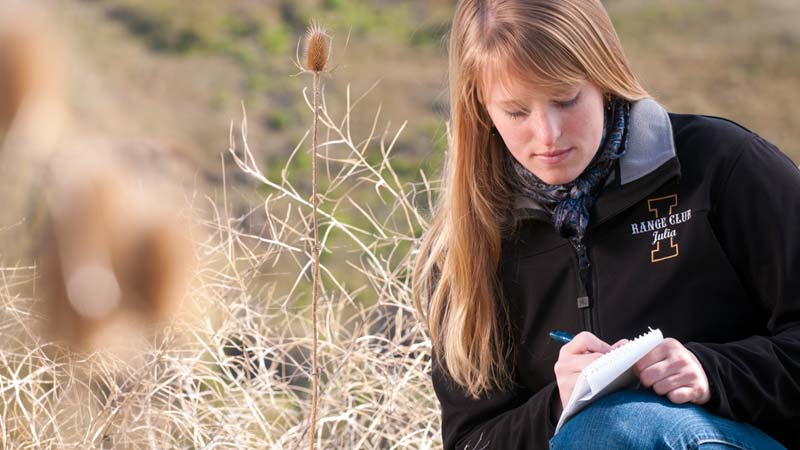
pixel 568 103
pixel 515 114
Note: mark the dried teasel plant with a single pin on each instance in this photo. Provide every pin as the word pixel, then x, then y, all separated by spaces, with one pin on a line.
pixel 317 50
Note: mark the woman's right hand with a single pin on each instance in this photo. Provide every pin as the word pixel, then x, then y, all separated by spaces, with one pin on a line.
pixel 574 356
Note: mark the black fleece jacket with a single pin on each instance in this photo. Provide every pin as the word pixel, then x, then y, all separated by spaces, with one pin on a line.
pixel 698 234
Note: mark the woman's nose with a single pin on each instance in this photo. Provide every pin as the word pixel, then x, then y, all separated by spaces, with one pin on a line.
pixel 546 127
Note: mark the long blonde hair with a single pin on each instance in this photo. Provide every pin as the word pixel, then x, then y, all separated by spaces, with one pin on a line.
pixel 545 44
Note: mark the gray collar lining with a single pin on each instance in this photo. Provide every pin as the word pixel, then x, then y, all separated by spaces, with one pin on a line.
pixel 650 143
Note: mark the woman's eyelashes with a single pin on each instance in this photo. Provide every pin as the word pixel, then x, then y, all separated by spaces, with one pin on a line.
pixel 570 102
pixel 563 104
pixel 516 114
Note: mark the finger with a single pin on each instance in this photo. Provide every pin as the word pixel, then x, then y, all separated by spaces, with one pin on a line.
pixel 651 375
pixel 661 351
pixel 673 364
pixel 649 360
pixel 681 395
pixel 673 382
pixel 586 342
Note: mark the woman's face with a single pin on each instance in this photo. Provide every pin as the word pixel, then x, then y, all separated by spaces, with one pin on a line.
pixel 553 136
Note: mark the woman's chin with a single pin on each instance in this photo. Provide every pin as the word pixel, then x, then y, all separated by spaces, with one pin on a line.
pixel 561 172
pixel 557 176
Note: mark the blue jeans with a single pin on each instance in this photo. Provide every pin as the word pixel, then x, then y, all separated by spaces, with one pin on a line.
pixel 639 419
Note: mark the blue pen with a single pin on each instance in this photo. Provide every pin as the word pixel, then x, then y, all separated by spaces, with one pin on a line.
pixel 561 337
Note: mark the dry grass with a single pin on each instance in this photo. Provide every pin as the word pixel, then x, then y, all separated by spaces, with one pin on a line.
pixel 233 371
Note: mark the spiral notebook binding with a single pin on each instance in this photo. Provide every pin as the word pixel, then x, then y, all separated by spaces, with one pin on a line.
pixel 614 355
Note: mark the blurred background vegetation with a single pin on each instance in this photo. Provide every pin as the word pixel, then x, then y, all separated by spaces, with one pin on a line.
pixel 179 70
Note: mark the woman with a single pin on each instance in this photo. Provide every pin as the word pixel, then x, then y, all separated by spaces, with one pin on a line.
pixel 572 201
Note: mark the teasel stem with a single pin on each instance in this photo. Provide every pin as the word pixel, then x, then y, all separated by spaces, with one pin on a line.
pixel 317 54
pixel 315 276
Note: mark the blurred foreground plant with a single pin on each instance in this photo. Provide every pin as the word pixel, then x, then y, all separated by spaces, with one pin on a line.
pixel 114 259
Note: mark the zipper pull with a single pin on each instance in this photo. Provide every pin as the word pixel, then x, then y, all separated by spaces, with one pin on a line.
pixel 583 258
pixel 583 301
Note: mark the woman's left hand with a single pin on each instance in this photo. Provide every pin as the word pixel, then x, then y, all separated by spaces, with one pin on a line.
pixel 672 370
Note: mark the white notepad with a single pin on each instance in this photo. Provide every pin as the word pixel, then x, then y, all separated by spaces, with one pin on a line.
pixel 609 373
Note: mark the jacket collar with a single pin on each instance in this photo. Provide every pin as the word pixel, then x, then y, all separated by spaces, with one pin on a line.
pixel 650 143
pixel 650 160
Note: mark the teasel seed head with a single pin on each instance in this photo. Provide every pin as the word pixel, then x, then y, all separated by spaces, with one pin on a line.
pixel 318 48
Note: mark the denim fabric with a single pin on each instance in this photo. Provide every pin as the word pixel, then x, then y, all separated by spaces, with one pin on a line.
pixel 639 419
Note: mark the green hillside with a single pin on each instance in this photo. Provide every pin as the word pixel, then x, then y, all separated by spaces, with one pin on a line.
pixel 180 70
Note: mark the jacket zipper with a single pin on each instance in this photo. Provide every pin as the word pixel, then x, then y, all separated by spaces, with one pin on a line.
pixel 584 302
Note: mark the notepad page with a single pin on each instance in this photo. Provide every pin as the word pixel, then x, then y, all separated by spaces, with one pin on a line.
pixel 613 364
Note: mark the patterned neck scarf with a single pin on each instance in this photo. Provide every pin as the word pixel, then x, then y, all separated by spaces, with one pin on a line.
pixel 568 204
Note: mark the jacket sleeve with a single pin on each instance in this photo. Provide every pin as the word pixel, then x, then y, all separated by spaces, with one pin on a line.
pixel 514 419
pixel 757 222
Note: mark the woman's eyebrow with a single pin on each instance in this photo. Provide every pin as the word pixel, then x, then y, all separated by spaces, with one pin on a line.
pixel 517 103
pixel 511 103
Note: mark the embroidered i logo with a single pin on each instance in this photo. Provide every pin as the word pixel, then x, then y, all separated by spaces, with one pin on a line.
pixel 662 208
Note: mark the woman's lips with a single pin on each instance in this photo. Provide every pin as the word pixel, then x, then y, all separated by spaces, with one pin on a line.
pixel 553 157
